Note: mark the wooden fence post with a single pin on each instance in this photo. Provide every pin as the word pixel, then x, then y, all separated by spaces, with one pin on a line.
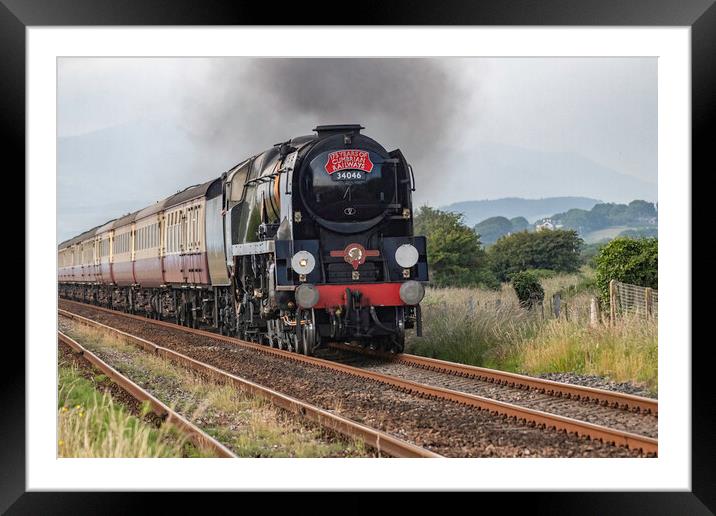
pixel 648 301
pixel 556 302
pixel 593 312
pixel 471 305
pixel 613 301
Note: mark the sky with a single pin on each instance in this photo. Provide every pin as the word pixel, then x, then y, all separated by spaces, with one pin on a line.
pixel 134 130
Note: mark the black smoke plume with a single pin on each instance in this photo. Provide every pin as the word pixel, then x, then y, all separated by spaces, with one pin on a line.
pixel 413 104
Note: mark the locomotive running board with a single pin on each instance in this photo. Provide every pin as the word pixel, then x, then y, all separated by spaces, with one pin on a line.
pixel 263 247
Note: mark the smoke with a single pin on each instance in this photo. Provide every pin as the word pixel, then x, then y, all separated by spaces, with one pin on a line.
pixel 247 105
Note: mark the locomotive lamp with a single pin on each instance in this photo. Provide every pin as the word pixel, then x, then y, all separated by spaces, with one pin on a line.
pixel 406 255
pixel 412 292
pixel 303 262
pixel 307 295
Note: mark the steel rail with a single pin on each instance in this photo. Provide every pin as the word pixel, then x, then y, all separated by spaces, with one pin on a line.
pixel 549 387
pixel 381 441
pixel 200 438
pixel 544 419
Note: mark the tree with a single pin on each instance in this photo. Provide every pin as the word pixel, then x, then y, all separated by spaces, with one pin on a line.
pixel 628 260
pixel 557 250
pixel 528 289
pixel 455 254
pixel 489 230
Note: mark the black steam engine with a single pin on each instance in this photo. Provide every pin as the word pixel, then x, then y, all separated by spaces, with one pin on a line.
pixel 321 244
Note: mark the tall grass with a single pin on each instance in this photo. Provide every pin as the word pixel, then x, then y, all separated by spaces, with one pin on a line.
pixel 625 351
pixel 489 328
pixel 472 326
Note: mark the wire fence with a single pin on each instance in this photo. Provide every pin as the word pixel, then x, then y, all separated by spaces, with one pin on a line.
pixel 584 307
pixel 632 299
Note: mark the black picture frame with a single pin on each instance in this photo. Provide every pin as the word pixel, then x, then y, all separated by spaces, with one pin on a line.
pixel 700 15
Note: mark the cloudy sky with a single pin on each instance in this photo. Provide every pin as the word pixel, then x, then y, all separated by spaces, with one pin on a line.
pixel 134 130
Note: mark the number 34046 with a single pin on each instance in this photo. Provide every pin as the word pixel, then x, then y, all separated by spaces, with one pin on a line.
pixel 348 175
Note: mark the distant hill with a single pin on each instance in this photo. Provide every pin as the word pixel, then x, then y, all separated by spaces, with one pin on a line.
pixel 601 223
pixel 607 220
pixel 510 207
pixel 493 228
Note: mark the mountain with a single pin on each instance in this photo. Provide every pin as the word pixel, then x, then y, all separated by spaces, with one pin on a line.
pixel 510 207
pixel 489 170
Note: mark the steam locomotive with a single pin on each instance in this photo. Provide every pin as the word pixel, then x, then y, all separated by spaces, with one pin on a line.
pixel 307 242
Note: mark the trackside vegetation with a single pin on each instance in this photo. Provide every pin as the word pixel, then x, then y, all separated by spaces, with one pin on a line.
pixel 489 328
pixel 494 307
pixel 248 425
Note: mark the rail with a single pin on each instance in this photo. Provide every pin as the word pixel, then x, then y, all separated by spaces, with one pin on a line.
pixel 381 441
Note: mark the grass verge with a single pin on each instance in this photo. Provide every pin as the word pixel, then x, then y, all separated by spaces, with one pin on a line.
pixel 249 426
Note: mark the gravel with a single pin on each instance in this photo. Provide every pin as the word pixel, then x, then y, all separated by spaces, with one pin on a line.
pixel 599 382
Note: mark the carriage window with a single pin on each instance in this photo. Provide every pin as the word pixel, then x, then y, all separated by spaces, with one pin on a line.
pixel 196 226
pixel 190 226
pixel 182 231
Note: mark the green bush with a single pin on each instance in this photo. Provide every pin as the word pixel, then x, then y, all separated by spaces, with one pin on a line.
pixel 528 288
pixel 628 260
pixel 556 250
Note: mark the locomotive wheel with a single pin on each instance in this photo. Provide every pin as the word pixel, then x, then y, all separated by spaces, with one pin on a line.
pixel 308 333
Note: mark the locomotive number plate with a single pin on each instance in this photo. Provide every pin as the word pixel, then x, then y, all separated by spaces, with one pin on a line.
pixel 349 175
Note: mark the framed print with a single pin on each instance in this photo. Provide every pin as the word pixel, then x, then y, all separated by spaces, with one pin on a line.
pixel 320 249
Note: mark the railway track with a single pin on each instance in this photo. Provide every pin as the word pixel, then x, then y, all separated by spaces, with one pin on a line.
pixel 380 441
pixel 626 412
pixel 510 411
pixel 195 434
pixel 569 391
